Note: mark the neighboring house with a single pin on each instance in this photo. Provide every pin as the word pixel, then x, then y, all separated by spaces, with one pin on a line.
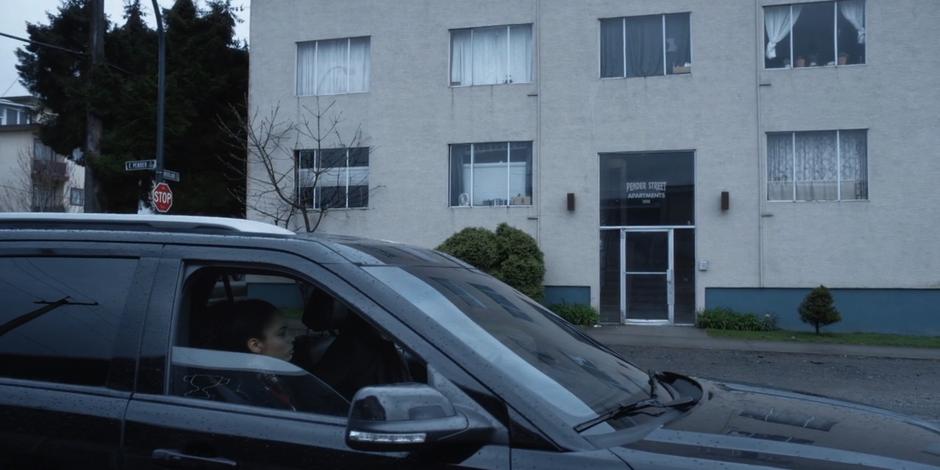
pixel 668 155
pixel 33 178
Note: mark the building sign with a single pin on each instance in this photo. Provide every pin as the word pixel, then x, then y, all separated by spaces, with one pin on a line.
pixel 646 189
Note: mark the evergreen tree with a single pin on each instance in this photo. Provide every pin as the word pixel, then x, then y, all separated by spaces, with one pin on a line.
pixel 818 308
pixel 207 76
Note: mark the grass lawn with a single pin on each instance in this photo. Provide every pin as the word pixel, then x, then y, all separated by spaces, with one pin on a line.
pixel 865 339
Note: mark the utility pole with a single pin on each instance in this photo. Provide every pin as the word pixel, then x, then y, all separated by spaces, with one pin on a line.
pixel 93 127
pixel 161 91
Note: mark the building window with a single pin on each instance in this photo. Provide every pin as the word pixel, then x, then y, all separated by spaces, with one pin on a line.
pixel 814 34
pixel 491 174
pixel 333 178
pixel 817 166
pixel 644 46
pixel 77 196
pixel 491 56
pixel 333 67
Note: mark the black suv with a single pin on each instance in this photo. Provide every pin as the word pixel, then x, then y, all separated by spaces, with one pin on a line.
pixel 184 342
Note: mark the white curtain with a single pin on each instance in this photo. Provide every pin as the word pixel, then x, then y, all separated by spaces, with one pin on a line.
pixel 854 12
pixel 489 55
pixel 853 148
pixel 520 53
pixel 306 68
pixel 461 57
pixel 359 65
pixel 490 174
pixel 331 67
pixel 778 23
pixel 816 165
pixel 780 167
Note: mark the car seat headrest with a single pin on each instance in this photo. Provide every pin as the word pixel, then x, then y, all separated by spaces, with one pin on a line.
pixel 323 313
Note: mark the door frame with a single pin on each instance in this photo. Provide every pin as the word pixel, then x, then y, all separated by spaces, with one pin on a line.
pixel 670 276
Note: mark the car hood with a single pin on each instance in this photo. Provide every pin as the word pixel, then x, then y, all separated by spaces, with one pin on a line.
pixel 741 424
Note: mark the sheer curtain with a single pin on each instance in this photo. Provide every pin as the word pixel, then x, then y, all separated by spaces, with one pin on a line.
pixel 678 43
pixel 461 58
pixel 331 67
pixel 854 12
pixel 306 68
pixel 612 47
pixel 853 148
pixel 359 65
pixel 489 174
pixel 780 167
pixel 816 166
pixel 644 54
pixel 520 173
pixel 777 22
pixel 460 175
pixel 489 55
pixel 520 53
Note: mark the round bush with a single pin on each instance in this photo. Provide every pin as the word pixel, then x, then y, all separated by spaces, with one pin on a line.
pixel 509 254
pixel 477 246
pixel 577 314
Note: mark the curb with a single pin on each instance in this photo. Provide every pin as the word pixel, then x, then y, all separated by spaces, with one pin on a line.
pixel 700 340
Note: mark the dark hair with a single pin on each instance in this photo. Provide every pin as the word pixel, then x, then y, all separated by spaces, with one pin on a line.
pixel 245 319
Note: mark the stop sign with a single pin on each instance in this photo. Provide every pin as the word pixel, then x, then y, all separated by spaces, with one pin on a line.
pixel 162 197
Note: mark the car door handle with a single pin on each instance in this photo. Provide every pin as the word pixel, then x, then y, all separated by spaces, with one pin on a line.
pixel 172 458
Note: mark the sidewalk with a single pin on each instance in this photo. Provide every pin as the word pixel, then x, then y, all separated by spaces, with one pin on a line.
pixel 686 337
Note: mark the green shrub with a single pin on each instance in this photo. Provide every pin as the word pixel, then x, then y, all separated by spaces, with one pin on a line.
pixel 509 254
pixel 577 314
pixel 475 245
pixel 722 318
pixel 818 309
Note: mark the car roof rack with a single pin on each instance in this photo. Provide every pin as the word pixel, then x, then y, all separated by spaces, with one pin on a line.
pixel 137 222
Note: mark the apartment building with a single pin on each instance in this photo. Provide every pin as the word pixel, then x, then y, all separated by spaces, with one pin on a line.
pixel 668 155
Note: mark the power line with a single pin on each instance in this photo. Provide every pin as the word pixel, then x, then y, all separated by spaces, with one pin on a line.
pixel 44 44
pixel 60 48
pixel 8 88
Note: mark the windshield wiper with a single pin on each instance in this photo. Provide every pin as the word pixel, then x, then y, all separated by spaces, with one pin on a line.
pixel 636 406
pixel 628 408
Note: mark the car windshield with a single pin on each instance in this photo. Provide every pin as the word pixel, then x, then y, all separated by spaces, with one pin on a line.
pixel 529 346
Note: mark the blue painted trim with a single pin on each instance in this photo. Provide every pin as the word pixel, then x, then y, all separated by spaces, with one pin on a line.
pixel 900 311
pixel 567 295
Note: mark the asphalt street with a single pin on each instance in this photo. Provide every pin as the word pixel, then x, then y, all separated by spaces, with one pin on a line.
pixel 909 386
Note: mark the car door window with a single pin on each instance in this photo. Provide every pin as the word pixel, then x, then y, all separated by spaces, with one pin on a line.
pixel 60 317
pixel 266 339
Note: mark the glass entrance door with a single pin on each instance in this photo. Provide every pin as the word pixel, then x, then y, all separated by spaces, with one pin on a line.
pixel 647 275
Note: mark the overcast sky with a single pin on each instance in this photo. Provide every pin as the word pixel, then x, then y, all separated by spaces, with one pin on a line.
pixel 14 14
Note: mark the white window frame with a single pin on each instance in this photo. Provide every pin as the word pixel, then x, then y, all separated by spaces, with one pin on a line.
pixel 509 81
pixel 623 49
pixel 793 198
pixel 835 37
pixel 316 167
pixel 316 65
pixel 81 196
pixel 450 161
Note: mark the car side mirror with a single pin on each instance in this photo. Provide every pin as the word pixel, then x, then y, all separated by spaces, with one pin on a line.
pixel 404 417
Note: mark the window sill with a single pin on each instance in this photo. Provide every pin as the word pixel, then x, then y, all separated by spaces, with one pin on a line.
pixel 814 67
pixel 516 206
pixel 648 76
pixel 333 94
pixel 490 85
pixel 849 201
pixel 334 209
